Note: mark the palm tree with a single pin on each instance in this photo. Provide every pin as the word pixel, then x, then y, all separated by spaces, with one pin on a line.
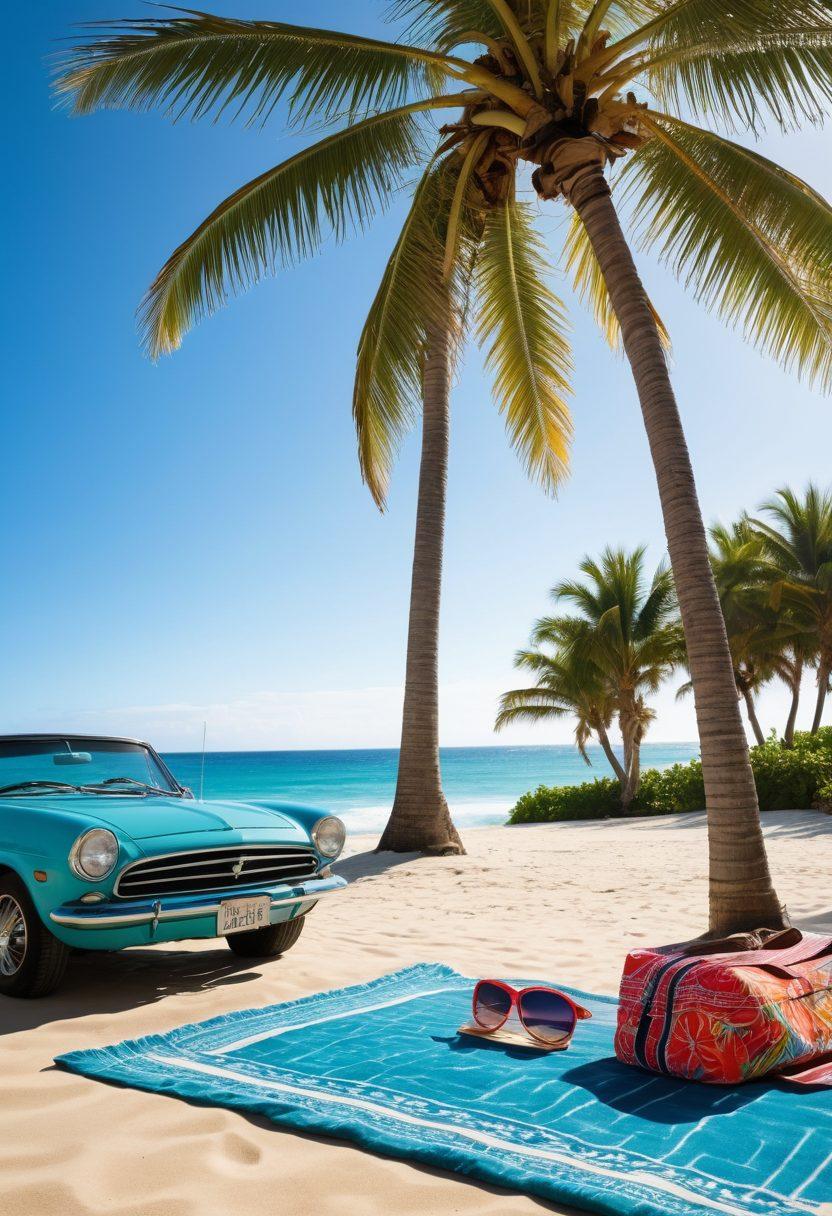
pixel 739 572
pixel 798 544
pixel 459 229
pixel 555 89
pixel 764 642
pixel 404 360
pixel 620 646
pixel 565 687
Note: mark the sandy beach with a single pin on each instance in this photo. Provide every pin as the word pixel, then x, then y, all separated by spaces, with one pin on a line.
pixel 561 902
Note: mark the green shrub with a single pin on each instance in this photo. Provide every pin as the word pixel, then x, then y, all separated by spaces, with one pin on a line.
pixel 665 791
pixel 789 779
pixel 796 778
pixel 550 803
pixel 823 802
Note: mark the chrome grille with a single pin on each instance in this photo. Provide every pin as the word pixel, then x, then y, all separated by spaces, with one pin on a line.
pixel 215 870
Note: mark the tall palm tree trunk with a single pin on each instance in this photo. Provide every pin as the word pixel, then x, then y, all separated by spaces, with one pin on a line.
pixel 420 820
pixel 791 721
pixel 751 710
pixel 793 683
pixel 740 887
pixel 606 747
pixel 823 684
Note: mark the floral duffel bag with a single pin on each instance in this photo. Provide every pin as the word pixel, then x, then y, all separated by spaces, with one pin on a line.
pixel 735 1010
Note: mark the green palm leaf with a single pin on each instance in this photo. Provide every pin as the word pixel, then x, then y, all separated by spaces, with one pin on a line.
pixel 687 23
pixel 752 241
pixel 787 74
pixel 530 705
pixel 334 185
pixel 591 286
pixel 413 295
pixel 196 63
pixel 445 24
pixel 523 325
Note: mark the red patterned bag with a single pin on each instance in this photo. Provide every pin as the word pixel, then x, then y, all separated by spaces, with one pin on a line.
pixel 721 1013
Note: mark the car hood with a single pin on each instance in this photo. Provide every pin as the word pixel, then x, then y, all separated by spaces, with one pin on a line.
pixel 146 818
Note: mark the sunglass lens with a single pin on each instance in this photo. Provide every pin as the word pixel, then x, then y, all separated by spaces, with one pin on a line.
pixel 491 1005
pixel 546 1015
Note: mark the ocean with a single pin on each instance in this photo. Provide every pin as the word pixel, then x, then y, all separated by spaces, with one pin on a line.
pixel 482 784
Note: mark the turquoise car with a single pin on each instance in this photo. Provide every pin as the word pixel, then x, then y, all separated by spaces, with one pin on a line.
pixel 102 848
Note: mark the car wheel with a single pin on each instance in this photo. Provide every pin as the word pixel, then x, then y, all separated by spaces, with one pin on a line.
pixel 32 960
pixel 268 942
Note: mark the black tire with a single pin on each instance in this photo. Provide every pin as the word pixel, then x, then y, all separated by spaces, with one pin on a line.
pixel 268 942
pixel 42 963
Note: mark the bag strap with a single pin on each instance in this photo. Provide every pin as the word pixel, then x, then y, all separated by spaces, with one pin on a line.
pixel 814 1072
pixel 773 954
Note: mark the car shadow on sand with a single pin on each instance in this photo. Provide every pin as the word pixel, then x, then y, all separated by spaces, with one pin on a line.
pixel 370 863
pixel 111 982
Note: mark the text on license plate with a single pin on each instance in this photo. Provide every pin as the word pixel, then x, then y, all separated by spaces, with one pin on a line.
pixel 240 915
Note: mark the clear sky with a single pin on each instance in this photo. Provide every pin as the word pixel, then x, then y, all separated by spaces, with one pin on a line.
pixel 192 540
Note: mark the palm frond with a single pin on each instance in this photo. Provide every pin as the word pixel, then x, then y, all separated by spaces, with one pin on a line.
pixel 751 241
pixel 196 64
pixel 414 294
pixel 446 24
pixel 334 185
pixel 523 325
pixel 684 23
pixel 591 287
pixel 529 705
pixel 785 74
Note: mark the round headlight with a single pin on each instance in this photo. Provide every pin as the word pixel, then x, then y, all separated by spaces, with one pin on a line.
pixel 94 854
pixel 328 836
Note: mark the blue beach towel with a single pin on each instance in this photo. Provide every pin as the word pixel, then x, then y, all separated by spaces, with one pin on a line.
pixel 382 1064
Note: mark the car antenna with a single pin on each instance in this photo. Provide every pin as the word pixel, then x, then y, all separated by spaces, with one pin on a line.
pixel 202 769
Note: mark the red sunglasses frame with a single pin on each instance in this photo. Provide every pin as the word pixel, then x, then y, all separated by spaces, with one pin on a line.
pixel 516 995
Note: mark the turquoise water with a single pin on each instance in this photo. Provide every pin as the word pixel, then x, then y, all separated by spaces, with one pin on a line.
pixel 481 783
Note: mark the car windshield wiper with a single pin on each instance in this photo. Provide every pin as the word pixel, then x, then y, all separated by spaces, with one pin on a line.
pixel 44 786
pixel 138 787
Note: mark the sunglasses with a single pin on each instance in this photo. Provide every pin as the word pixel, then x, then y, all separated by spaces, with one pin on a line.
pixel 547 1015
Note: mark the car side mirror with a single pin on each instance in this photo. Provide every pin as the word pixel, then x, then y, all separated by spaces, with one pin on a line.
pixel 187 792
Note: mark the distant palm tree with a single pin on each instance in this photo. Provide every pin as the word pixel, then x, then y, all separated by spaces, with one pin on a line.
pixel 619 648
pixel 764 642
pixel 798 544
pixel 564 688
pixel 740 575
pixel 553 89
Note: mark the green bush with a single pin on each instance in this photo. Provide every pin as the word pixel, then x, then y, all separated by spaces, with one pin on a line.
pixel 790 778
pixel 547 804
pixel 796 778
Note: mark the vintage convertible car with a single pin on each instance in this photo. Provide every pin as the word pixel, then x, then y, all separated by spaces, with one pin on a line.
pixel 102 848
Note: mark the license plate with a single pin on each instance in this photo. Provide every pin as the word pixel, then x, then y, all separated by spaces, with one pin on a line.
pixel 242 915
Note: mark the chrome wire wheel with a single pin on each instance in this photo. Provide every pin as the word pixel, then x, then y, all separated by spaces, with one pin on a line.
pixel 12 936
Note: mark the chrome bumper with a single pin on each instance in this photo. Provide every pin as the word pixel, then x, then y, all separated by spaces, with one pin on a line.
pixel 113 916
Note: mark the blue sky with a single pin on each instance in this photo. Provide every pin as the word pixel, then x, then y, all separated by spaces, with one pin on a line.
pixel 192 540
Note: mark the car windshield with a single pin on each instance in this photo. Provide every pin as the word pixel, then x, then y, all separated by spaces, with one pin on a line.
pixel 67 764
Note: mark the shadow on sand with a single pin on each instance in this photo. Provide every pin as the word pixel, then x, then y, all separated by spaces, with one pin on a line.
pixel 110 982
pixel 370 863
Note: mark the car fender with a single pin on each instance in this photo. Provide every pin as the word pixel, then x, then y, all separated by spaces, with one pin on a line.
pixel 33 840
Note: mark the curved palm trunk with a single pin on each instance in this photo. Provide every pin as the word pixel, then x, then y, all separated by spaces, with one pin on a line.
pixel 632 757
pixel 740 888
pixel 823 684
pixel 752 715
pixel 794 685
pixel 633 777
pixel 420 820
pixel 606 747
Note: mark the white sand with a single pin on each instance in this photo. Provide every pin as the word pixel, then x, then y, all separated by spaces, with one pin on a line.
pixel 562 902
